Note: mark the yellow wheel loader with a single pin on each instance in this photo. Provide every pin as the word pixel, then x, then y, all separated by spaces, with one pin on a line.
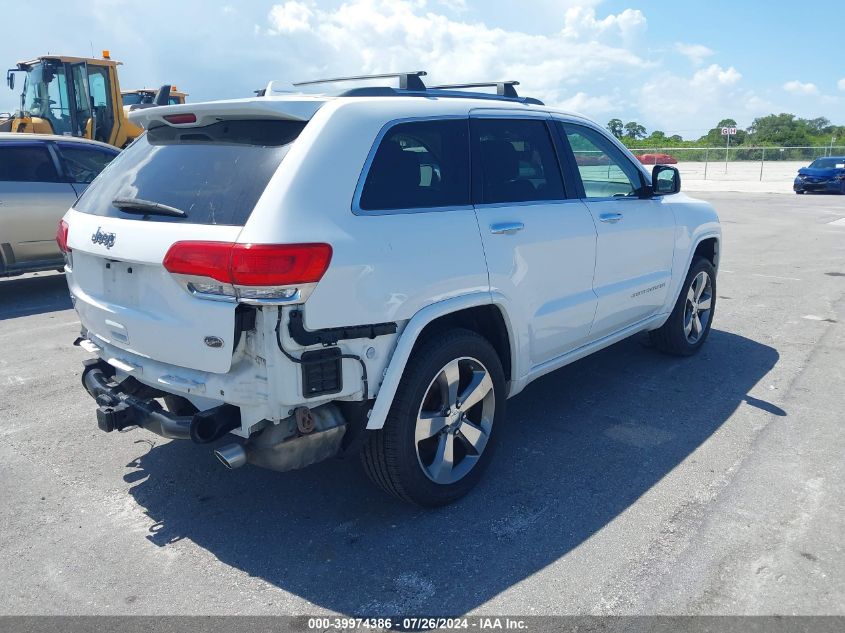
pixel 147 98
pixel 72 96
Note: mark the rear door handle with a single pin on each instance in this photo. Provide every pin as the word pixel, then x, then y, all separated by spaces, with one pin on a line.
pixel 611 218
pixel 506 228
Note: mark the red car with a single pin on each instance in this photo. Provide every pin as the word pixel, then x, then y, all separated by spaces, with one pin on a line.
pixel 657 159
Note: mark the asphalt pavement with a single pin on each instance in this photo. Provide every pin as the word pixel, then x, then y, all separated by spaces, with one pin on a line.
pixel 627 483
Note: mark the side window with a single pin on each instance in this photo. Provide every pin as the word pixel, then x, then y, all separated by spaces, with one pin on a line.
pixel 82 164
pixel 516 159
pixel 97 86
pixel 420 164
pixel 26 163
pixel 604 170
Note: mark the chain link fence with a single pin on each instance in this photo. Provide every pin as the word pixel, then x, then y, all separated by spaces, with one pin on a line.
pixel 758 163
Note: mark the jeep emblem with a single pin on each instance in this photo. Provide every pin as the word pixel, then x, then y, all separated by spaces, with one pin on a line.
pixel 106 239
pixel 214 341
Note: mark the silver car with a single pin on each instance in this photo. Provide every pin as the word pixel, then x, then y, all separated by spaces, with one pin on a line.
pixel 41 176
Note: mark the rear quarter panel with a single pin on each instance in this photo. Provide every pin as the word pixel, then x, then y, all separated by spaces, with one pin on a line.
pixel 29 214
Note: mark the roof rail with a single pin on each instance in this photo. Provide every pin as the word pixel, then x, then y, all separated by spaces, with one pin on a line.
pixel 407 81
pixel 410 85
pixel 503 88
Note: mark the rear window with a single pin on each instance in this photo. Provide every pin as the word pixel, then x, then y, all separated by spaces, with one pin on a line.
pixel 215 173
pixel 423 164
pixel 83 163
pixel 517 161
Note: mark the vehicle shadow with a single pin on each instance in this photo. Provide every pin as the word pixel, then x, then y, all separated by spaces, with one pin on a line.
pixel 581 445
pixel 25 296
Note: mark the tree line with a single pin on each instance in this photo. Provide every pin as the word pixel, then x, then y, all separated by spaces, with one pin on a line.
pixel 773 130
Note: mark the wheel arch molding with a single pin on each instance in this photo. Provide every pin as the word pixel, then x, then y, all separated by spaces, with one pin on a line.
pixel 461 311
pixel 707 243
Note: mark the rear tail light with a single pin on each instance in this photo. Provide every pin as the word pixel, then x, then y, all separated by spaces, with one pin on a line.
pixel 250 272
pixel 61 236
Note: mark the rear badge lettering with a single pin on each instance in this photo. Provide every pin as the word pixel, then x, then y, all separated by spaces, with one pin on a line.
pixel 106 239
pixel 214 341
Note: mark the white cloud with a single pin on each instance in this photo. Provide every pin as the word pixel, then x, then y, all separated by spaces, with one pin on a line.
pixel 798 88
pixel 841 84
pixel 373 36
pixel 458 6
pixel 716 74
pixel 591 106
pixel 581 22
pixel 696 53
pixel 691 105
pixel 290 17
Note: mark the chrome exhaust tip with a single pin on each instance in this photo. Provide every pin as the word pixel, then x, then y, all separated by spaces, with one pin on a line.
pixel 231 456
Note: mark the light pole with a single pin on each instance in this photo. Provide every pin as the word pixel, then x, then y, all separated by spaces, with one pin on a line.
pixel 832 141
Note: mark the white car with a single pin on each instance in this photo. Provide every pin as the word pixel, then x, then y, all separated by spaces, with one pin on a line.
pixel 377 270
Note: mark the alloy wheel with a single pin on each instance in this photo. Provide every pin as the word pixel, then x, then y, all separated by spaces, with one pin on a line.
pixel 698 306
pixel 455 420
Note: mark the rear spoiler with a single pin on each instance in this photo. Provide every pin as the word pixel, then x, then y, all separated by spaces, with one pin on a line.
pixel 300 108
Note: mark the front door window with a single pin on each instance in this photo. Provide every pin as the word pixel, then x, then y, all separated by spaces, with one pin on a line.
pixel 604 171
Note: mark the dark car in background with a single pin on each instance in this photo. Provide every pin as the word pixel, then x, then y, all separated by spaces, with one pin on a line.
pixel 41 176
pixel 824 175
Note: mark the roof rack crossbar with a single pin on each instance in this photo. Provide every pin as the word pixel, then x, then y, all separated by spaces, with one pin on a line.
pixel 407 81
pixel 503 88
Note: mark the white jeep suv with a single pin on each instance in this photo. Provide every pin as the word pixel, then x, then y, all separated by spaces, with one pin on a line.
pixel 372 271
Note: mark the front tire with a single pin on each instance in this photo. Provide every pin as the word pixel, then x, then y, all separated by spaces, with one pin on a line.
pixel 441 430
pixel 688 326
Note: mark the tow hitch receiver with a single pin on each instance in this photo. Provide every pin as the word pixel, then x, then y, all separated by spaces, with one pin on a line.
pixel 117 409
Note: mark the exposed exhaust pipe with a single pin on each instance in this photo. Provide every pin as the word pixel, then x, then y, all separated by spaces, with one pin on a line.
pixel 285 446
pixel 231 456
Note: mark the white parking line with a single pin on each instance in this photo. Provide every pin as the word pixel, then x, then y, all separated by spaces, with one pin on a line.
pixel 776 277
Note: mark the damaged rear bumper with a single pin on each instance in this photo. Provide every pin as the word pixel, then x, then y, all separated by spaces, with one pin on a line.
pixel 130 403
pixel 307 437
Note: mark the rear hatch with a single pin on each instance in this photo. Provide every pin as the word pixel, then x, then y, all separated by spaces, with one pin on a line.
pixel 173 184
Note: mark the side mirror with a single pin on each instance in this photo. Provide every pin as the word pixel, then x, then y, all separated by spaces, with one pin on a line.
pixel 10 79
pixel 665 180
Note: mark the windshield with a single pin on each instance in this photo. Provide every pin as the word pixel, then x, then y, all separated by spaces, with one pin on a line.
pixel 45 95
pixel 215 173
pixel 828 163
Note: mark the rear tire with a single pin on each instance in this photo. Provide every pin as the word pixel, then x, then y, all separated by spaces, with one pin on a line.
pixel 434 448
pixel 688 325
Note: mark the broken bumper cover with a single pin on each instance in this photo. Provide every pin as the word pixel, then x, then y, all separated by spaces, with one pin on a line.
pixel 117 409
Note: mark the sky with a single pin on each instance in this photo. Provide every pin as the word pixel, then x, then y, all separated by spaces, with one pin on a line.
pixel 679 66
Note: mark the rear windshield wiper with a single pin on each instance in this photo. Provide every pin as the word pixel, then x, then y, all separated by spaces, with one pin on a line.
pixel 147 207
